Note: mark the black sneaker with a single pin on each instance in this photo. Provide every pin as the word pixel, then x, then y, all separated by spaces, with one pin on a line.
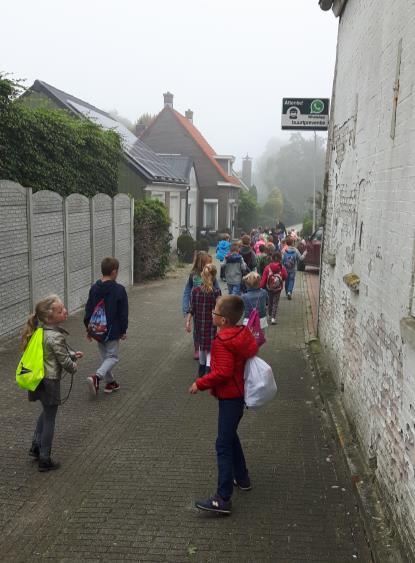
pixel 215 504
pixel 243 485
pixel 48 465
pixel 34 450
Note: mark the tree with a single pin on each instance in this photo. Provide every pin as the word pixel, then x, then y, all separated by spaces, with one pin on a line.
pixel 254 192
pixel 272 208
pixel 48 149
pixel 145 119
pixel 248 211
pixel 291 167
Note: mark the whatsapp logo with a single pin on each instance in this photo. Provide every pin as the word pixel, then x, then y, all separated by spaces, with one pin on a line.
pixel 317 106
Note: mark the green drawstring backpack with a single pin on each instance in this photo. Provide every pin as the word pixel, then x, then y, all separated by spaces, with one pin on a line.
pixel 30 371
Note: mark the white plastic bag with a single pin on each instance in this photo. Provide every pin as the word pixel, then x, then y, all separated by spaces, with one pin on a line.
pixel 260 386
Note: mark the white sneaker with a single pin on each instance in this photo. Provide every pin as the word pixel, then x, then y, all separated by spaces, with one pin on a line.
pixel 273 322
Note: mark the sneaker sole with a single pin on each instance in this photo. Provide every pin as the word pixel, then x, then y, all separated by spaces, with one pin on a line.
pixel 92 389
pixel 236 484
pixel 111 390
pixel 217 510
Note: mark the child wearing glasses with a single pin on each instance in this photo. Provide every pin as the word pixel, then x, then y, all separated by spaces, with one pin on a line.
pixel 202 303
pixel 231 348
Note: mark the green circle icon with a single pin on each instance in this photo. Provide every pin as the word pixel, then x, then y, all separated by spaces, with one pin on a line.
pixel 317 106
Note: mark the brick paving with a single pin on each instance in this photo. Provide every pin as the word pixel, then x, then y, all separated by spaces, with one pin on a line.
pixel 133 462
pixel 312 279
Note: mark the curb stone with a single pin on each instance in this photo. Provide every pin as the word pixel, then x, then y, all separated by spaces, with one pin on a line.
pixel 383 538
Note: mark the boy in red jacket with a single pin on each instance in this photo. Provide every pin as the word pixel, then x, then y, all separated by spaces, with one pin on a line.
pixel 232 346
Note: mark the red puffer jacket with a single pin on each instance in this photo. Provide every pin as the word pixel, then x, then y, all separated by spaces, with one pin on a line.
pixel 230 349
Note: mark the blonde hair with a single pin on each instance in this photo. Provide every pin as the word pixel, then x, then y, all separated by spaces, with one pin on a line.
pixel 252 280
pixel 208 277
pixel 199 262
pixel 43 311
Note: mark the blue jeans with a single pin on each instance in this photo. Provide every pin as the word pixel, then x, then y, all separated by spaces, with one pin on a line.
pixel 229 453
pixel 289 282
pixel 234 288
pixel 109 354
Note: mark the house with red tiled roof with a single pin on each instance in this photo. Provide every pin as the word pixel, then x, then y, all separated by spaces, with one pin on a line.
pixel 217 186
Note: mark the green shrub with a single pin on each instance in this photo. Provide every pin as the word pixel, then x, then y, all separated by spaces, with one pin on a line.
pixel 49 149
pixel 307 227
pixel 185 248
pixel 151 240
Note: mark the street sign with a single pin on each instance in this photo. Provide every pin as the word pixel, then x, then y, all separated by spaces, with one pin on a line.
pixel 305 114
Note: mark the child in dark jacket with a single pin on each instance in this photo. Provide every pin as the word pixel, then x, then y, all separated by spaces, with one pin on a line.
pixel 247 253
pixel 231 348
pixel 116 311
pixel 272 280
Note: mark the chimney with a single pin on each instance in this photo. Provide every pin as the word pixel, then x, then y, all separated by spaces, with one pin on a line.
pixel 189 115
pixel 140 127
pixel 168 100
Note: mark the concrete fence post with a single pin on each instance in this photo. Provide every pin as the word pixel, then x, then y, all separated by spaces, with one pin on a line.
pixel 92 227
pixel 132 243
pixel 113 227
pixel 66 249
pixel 30 236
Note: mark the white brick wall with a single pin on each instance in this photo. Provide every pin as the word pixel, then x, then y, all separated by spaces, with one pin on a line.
pixel 42 252
pixel 370 226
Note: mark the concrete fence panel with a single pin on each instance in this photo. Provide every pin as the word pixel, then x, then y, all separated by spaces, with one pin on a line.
pixel 102 231
pixel 48 238
pixel 15 252
pixel 79 258
pixel 54 245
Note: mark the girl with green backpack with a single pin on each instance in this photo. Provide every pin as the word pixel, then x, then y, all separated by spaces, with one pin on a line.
pixel 46 356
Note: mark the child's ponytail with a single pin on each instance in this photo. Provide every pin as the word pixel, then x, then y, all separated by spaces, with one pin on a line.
pixel 43 311
pixel 29 328
pixel 208 277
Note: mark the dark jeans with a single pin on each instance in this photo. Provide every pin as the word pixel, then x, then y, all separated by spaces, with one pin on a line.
pixel 230 456
pixel 45 429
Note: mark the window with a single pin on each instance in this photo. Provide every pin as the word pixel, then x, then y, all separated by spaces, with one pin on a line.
pixel 159 195
pixel 210 214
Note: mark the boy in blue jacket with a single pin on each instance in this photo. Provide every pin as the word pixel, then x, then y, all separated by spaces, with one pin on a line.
pixel 115 301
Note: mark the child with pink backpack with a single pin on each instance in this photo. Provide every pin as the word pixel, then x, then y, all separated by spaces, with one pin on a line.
pixel 255 307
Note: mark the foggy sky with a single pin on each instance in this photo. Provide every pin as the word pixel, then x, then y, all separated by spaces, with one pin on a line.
pixel 230 61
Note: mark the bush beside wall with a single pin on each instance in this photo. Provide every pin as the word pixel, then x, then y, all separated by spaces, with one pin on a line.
pixel 151 240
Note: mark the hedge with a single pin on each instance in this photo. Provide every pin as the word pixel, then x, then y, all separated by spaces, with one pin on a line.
pixel 151 240
pixel 50 149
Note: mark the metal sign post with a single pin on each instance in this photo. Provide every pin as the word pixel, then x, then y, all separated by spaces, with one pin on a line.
pixel 306 114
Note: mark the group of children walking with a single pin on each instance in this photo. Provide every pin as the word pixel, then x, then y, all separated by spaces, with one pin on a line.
pixel 255 275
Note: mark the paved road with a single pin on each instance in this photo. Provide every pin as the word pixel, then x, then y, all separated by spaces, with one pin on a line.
pixel 133 462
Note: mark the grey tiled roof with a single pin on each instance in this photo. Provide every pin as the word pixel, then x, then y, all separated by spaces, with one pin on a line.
pixel 182 165
pixel 148 163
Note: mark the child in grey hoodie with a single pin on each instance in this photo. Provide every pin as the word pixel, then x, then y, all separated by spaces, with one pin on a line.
pixel 235 268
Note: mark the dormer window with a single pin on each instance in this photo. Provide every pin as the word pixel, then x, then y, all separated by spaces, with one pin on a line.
pixel 225 162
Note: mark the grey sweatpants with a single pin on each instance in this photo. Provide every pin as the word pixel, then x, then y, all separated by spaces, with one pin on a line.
pixel 109 355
